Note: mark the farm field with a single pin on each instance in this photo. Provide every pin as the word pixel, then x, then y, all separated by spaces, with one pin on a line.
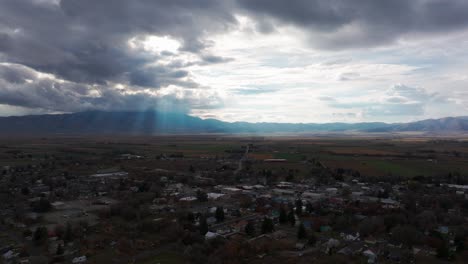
pixel 405 157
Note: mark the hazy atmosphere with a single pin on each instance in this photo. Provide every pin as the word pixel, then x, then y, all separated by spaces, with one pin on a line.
pixel 305 61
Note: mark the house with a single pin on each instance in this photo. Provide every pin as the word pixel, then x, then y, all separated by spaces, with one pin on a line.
pixel 9 255
pixel 210 235
pixel 283 192
pixel 279 234
pixel 300 246
pixel 58 205
pixel 331 244
pixel 231 190
pixel 314 196
pixel 389 203
pixel 371 256
pixel 395 254
pixel 112 175
pixel 211 220
pixel 331 190
pixel 356 195
pixel 215 196
pixel 443 230
pixel 349 237
pixel 274 160
pixel 239 226
pixel 352 249
pixel 81 259
pixel 188 199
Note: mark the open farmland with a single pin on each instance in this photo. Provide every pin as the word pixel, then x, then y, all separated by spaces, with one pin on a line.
pixel 406 157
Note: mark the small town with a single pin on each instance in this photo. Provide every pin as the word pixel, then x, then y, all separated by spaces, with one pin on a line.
pixel 233 131
pixel 237 205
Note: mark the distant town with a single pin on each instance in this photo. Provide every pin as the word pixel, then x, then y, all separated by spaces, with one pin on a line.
pixel 221 199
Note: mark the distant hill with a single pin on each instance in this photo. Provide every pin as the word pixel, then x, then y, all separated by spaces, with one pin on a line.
pixel 152 122
pixel 447 124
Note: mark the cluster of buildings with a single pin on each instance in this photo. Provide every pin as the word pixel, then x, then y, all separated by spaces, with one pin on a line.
pixel 352 218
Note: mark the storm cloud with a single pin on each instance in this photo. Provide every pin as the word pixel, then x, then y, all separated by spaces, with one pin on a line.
pixel 74 55
pixel 24 87
pixel 339 24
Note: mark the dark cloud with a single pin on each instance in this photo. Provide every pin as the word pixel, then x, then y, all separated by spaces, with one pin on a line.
pixel 160 76
pixel 85 43
pixel 337 24
pixel 24 87
pixel 212 59
pixel 86 40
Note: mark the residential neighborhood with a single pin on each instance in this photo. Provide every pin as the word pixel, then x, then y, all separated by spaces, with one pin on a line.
pixel 116 209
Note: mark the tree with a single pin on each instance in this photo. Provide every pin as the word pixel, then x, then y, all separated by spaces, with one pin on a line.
pixel 407 235
pixel 267 225
pixel 40 235
pixel 202 196
pixel 312 239
pixel 392 220
pixel 283 216
pixel 60 250
pixel 459 240
pixel 27 233
pixel 190 217
pixel 219 214
pixel 301 232
pixel 59 231
pixel 443 251
pixel 68 236
pixel 346 192
pixel 25 191
pixel 250 228
pixel 309 207
pixel 299 207
pixel 42 206
pixel 192 169
pixel 291 218
pixel 203 225
pixel 290 176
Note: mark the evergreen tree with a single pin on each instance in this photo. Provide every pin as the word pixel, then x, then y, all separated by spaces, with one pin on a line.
pixel 250 228
pixel 267 225
pixel 309 207
pixel 40 235
pixel 202 196
pixel 68 237
pixel 219 214
pixel 443 251
pixel 203 225
pixel 299 207
pixel 312 239
pixel 301 232
pixel 291 218
pixel 283 217
pixel 192 169
pixel 60 250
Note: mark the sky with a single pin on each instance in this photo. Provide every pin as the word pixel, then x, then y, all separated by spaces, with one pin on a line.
pixel 308 61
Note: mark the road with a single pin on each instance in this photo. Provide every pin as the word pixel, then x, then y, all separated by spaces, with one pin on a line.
pixel 241 161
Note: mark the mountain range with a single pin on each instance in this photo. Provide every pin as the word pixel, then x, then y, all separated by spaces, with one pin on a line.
pixel 153 122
